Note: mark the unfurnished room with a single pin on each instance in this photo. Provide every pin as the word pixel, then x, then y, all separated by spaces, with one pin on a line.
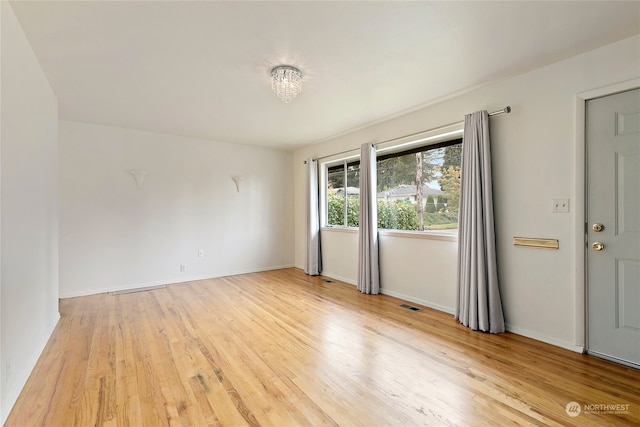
pixel 319 213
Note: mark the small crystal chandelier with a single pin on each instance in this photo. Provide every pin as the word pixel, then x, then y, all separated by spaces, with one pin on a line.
pixel 286 82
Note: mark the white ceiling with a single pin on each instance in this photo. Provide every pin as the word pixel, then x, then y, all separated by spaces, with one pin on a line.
pixel 200 69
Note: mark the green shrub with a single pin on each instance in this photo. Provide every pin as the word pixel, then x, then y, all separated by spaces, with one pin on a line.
pixel 397 215
pixel 335 210
pixel 353 211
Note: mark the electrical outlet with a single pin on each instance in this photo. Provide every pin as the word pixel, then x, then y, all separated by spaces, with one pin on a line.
pixel 183 268
pixel 560 205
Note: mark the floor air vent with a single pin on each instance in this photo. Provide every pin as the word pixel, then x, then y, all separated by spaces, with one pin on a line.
pixel 410 307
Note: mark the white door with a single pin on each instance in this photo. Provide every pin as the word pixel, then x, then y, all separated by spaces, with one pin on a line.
pixel 613 227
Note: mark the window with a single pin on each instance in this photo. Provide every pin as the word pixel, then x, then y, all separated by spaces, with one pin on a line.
pixel 343 202
pixel 418 189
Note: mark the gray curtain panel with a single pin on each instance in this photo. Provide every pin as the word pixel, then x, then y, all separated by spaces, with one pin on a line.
pixel 478 297
pixel 368 270
pixel 313 261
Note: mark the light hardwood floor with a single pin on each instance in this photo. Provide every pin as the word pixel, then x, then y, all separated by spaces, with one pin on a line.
pixel 284 349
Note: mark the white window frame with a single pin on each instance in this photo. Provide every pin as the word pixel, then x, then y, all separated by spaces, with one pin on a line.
pixel 425 139
pixel 324 175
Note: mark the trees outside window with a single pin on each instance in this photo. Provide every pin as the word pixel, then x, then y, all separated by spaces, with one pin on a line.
pixel 418 189
pixel 343 201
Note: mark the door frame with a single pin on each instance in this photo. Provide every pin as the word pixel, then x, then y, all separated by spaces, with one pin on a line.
pixel 580 254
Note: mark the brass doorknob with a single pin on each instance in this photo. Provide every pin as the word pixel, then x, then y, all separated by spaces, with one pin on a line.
pixel 597 246
pixel 597 227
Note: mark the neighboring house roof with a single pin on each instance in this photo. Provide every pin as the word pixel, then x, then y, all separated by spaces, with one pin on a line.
pixel 350 190
pixel 408 191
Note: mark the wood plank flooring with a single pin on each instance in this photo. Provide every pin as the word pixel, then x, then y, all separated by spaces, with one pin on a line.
pixel 284 349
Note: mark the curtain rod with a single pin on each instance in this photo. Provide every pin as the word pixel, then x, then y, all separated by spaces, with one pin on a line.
pixel 505 110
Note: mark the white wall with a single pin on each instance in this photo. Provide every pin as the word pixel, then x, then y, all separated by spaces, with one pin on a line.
pixel 29 223
pixel 115 236
pixel 534 160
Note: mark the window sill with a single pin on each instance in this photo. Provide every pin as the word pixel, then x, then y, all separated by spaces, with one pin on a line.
pixel 425 235
pixel 340 229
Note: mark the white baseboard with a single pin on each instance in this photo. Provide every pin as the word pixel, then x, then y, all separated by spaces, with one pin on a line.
pixel 396 294
pixel 514 329
pixel 543 338
pixel 155 284
pixel 342 279
pixel 422 302
pixel 13 393
pixel 445 309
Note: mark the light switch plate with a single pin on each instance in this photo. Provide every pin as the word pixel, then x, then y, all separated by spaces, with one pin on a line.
pixel 560 206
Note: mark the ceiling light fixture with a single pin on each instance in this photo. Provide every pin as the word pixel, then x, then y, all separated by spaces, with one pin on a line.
pixel 286 82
